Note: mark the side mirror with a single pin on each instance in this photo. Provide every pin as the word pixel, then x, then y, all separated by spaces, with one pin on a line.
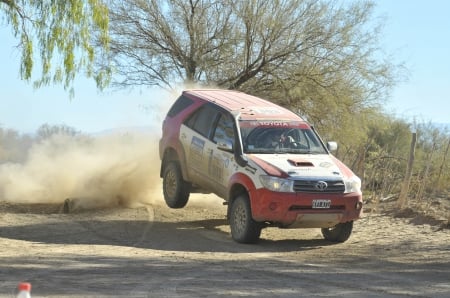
pixel 225 145
pixel 332 146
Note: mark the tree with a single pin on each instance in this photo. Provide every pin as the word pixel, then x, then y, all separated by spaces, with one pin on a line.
pixel 61 32
pixel 258 46
pixel 13 145
pixel 46 131
pixel 168 42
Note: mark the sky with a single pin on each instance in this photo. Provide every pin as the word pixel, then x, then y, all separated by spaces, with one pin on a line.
pixel 416 32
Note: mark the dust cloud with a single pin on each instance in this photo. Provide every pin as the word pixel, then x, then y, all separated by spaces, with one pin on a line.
pixel 117 168
pixel 83 171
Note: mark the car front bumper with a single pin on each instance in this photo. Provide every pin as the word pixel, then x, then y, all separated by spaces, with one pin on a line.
pixel 301 210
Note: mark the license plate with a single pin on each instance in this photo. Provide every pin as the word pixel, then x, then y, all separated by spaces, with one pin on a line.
pixel 321 204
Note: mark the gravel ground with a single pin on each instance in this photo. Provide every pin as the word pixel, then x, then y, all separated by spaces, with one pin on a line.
pixel 153 251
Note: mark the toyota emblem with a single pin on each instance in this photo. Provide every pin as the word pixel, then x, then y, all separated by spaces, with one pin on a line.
pixel 321 185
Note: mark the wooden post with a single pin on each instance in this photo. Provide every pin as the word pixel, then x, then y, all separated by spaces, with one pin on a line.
pixel 403 199
pixel 442 166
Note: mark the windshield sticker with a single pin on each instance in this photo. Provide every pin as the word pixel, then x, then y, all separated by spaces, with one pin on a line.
pixel 274 123
pixel 270 123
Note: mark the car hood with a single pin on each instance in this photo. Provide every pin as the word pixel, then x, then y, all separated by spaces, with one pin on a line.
pixel 305 165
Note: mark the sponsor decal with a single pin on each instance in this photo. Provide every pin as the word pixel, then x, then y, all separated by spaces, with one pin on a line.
pixel 270 123
pixel 227 163
pixel 275 124
pixel 216 167
pixel 196 150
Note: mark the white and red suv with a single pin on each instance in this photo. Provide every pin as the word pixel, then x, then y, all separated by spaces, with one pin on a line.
pixel 267 163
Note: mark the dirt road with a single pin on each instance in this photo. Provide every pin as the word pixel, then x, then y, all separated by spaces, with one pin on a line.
pixel 154 251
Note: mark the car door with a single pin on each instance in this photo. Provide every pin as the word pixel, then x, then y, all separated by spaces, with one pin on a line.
pixel 195 137
pixel 221 163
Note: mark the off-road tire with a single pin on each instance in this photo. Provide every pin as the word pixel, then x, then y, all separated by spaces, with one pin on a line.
pixel 339 233
pixel 243 228
pixel 176 190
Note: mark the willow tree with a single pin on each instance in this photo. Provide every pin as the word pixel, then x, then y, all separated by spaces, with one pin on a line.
pixel 58 35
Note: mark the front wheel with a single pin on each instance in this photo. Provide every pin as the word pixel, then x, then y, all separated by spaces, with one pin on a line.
pixel 339 233
pixel 175 189
pixel 243 228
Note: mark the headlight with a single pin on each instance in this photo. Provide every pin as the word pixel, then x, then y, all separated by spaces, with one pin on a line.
pixel 352 184
pixel 277 184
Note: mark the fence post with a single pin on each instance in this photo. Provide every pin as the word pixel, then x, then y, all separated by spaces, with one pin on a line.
pixel 442 166
pixel 403 199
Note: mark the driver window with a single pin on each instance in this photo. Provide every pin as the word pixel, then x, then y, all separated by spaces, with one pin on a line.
pixel 224 129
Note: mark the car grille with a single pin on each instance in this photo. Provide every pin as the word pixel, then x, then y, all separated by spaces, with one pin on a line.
pixel 333 186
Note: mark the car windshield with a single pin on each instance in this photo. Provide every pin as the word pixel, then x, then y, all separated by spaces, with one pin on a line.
pixel 271 137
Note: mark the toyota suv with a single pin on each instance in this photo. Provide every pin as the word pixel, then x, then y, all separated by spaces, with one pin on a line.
pixel 267 163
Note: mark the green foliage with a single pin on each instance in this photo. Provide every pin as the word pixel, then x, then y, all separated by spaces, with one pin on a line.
pixel 381 159
pixel 62 34
pixel 431 168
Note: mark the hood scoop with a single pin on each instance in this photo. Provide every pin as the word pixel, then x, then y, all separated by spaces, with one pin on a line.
pixel 300 163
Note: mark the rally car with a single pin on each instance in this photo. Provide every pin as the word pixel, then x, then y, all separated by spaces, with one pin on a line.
pixel 267 163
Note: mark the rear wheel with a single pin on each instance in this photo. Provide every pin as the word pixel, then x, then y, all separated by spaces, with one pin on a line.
pixel 339 233
pixel 175 189
pixel 243 228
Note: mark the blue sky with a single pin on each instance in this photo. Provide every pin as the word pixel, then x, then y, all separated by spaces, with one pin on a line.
pixel 417 32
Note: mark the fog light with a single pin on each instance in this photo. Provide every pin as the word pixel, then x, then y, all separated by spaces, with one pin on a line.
pixel 273 206
pixel 359 206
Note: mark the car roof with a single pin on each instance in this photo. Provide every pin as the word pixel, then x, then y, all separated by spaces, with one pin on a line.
pixel 250 107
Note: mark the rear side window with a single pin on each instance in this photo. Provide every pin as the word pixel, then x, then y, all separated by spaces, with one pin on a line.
pixel 180 104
